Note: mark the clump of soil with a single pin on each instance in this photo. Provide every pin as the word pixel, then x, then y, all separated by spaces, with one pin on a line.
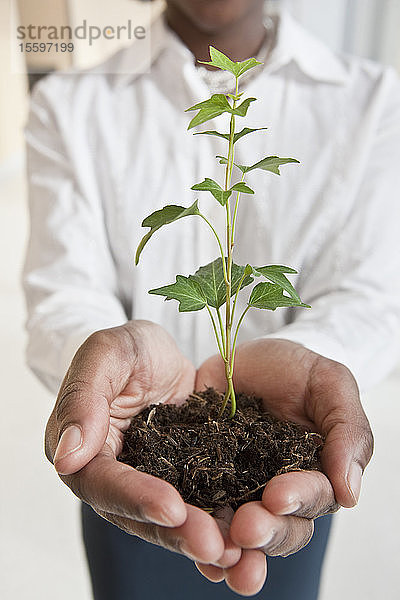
pixel 217 461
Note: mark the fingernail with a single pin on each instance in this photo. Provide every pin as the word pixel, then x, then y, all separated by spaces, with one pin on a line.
pixel 267 539
pixel 291 507
pixel 354 477
pixel 69 442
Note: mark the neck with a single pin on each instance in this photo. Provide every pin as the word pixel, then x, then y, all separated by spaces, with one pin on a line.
pixel 239 40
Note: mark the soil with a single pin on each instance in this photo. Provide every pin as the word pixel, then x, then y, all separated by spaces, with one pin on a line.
pixel 217 461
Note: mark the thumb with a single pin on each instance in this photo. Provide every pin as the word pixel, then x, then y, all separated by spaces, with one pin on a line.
pixel 77 428
pixel 336 408
pixel 346 452
pixel 79 424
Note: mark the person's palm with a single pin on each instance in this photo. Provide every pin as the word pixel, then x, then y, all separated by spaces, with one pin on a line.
pixel 297 385
pixel 114 375
pixel 118 372
pixel 154 371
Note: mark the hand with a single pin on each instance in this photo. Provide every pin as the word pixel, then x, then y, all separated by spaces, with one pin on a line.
pixel 298 385
pixel 114 375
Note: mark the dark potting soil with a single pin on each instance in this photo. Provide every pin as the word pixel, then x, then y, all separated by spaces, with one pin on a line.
pixel 217 461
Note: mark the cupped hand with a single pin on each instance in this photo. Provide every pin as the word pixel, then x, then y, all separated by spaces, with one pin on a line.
pixel 114 375
pixel 298 385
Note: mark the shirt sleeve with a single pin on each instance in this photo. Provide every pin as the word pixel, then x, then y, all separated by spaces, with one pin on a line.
pixel 356 318
pixel 69 275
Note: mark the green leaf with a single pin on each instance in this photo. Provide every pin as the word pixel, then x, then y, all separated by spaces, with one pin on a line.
pixel 166 215
pixel 245 131
pixel 216 106
pixel 186 290
pixel 235 97
pixel 221 61
pixel 249 270
pixel 243 168
pixel 241 110
pixel 271 163
pixel 225 136
pixel 275 274
pixel 209 185
pixel 270 296
pixel 206 286
pixel 242 187
pixel 224 161
pixel 211 279
pixel 216 101
pixel 209 109
pixel 280 269
pixel 244 66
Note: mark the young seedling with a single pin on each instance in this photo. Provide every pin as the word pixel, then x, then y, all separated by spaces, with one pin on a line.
pixel 220 282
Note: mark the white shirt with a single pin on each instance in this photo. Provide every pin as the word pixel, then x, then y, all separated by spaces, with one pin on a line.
pixel 104 151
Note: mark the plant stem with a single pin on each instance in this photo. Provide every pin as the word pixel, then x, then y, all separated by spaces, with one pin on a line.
pixel 221 327
pixel 233 396
pixel 236 296
pixel 230 392
pixel 219 244
pixel 220 348
pixel 235 338
pixel 235 212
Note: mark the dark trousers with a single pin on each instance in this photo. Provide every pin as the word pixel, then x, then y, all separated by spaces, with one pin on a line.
pixel 123 567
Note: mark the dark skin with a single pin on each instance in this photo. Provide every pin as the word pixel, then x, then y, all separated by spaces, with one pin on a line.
pixel 235 27
pixel 118 372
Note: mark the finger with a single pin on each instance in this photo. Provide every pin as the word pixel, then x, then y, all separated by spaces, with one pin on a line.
pixel 248 576
pixel 253 526
pixel 306 494
pixel 334 406
pixel 344 458
pixel 79 424
pixel 232 552
pixel 81 431
pixel 198 538
pixel 111 486
pixel 213 574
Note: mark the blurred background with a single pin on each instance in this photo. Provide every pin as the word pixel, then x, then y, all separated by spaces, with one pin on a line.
pixel 41 555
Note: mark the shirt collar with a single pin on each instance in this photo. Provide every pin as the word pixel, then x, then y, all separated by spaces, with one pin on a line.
pixel 294 44
pixel 311 55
